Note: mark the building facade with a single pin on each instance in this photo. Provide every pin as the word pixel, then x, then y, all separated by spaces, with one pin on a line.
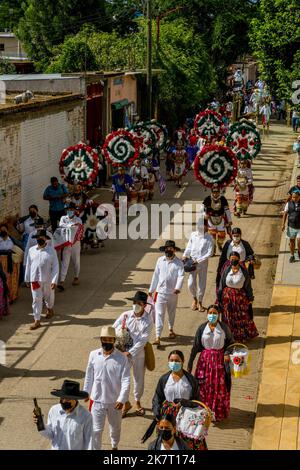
pixel 31 141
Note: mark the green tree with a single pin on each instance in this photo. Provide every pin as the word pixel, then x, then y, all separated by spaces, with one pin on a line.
pixel 46 24
pixel 187 75
pixel 74 55
pixel 6 67
pixel 275 39
pixel 10 13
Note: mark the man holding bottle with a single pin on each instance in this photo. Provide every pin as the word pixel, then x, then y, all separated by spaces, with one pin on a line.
pixel 70 425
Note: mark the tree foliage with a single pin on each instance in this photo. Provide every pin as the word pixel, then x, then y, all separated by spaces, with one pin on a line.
pixel 10 14
pixel 187 75
pixel 45 24
pixel 6 67
pixel 275 38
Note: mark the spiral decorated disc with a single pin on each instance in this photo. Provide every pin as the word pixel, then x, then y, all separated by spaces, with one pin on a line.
pixel 161 133
pixel 215 164
pixel 79 163
pixel 121 148
pixel 208 124
pixel 147 137
pixel 244 139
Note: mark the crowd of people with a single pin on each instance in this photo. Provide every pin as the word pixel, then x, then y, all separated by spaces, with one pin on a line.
pixel 124 347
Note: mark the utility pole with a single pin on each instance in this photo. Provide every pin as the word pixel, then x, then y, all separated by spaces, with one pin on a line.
pixel 149 59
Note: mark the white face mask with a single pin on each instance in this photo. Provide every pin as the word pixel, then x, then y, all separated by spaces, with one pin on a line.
pixel 137 309
pixel 236 239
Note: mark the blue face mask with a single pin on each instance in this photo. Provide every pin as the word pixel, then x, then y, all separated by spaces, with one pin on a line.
pixel 70 214
pixel 175 366
pixel 212 317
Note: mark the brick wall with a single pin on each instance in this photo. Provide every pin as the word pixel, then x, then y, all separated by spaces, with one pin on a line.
pixel 29 154
pixel 10 170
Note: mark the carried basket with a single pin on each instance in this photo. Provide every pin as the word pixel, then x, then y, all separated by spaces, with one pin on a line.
pixel 239 360
pixel 194 423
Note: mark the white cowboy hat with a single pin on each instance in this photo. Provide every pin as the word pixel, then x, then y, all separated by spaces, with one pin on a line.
pixel 108 332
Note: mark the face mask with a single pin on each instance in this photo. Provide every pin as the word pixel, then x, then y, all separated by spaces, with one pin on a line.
pixel 66 405
pixel 212 317
pixel 70 214
pixel 236 239
pixel 107 347
pixel 32 214
pixel 234 262
pixel 41 242
pixel 137 308
pixel 166 434
pixel 3 233
pixel 169 254
pixel 175 366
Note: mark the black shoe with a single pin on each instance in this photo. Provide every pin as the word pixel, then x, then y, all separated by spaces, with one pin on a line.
pixel 292 259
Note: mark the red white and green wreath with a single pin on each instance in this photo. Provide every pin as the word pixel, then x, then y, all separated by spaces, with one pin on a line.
pixel 146 136
pixel 244 139
pixel 216 164
pixel 160 131
pixel 208 124
pixel 79 163
pixel 121 148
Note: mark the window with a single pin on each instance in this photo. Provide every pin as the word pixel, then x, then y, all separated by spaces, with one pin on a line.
pixel 2 47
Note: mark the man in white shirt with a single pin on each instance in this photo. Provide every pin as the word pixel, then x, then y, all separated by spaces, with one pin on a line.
pixel 39 225
pixel 70 425
pixel 167 281
pixel 107 381
pixel 26 224
pixel 72 251
pixel 200 248
pixel 42 270
pixel 139 323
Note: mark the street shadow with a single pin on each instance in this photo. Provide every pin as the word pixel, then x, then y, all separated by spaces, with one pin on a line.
pixel 265 203
pixel 285 308
pixel 281 339
pixel 268 216
pixel 265 256
pixel 9 372
pixel 277 410
pixel 238 419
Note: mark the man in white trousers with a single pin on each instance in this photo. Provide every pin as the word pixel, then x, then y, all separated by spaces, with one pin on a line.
pixel 167 281
pixel 139 323
pixel 107 381
pixel 42 271
pixel 70 252
pixel 39 225
pixel 200 248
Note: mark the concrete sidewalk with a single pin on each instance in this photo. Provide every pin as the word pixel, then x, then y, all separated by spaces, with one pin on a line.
pixel 277 425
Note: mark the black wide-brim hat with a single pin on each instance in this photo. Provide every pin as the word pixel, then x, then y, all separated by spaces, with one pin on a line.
pixel 169 244
pixel 139 296
pixel 41 233
pixel 70 390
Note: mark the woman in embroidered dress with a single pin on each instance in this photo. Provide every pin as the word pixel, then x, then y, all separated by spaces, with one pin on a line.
pixel 174 387
pixel 212 371
pixel 235 296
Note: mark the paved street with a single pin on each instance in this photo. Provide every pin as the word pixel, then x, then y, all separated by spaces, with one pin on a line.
pixel 39 361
